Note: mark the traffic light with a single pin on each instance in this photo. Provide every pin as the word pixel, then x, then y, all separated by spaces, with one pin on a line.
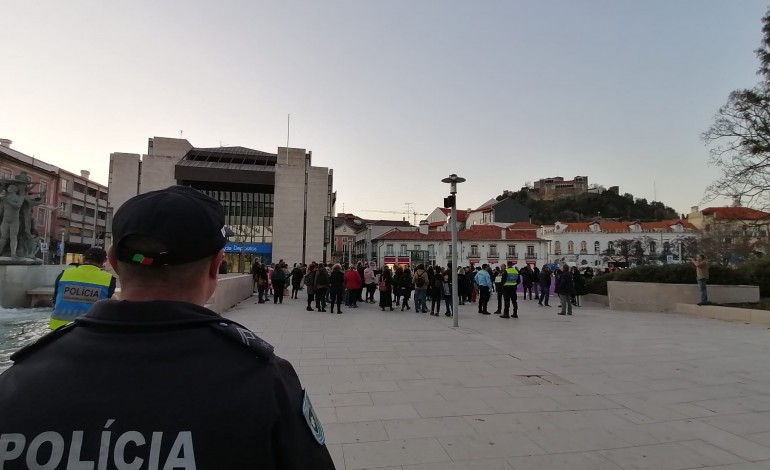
pixel 449 202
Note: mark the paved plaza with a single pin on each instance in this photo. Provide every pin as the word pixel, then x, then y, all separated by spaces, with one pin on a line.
pixel 601 390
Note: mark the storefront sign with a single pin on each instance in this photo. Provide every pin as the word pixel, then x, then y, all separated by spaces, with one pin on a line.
pixel 254 248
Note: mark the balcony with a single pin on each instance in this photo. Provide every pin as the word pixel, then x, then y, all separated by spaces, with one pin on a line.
pixel 583 252
pixel 493 255
pixel 512 255
pixel 530 256
pixel 557 252
pixel 474 254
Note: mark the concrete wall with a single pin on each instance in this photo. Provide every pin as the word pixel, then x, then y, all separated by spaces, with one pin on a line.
pixel 169 147
pixel 157 172
pixel 231 289
pixel 15 281
pixel 654 297
pixel 123 181
pixel 719 312
pixel 289 199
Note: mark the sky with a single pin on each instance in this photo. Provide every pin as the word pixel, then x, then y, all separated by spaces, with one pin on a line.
pixel 392 95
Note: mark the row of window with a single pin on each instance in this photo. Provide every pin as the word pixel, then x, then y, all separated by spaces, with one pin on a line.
pixel 652 247
pixel 474 253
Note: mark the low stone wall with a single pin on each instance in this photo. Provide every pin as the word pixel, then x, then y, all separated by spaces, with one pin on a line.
pixel 599 299
pixel 657 297
pixel 15 281
pixel 719 312
pixel 231 289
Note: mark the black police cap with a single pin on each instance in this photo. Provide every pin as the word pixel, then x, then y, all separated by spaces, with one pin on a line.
pixel 187 223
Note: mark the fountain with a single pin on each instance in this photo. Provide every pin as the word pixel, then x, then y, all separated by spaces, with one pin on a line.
pixel 20 269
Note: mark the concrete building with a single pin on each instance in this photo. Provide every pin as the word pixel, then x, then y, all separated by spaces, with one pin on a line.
pixel 82 212
pixel 278 205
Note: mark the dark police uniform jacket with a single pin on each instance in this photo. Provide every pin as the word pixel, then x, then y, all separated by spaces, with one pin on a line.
pixel 155 385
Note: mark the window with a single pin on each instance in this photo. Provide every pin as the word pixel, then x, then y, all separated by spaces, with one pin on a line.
pixel 570 247
pixel 493 251
pixel 389 250
pixel 432 250
pixel 7 174
pixel 511 251
pixel 65 184
pixel 557 247
pixel 652 247
pixel 64 207
pixel 417 248
pixel 610 247
pixel 597 247
pixel 583 247
pixel 474 251
pixel 449 249
pixel 44 191
pixel 666 247
pixel 530 250
pixel 402 250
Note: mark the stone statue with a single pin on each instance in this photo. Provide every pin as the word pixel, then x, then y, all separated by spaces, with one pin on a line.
pixel 19 240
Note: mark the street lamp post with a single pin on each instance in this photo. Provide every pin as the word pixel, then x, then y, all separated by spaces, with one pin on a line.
pixel 453 179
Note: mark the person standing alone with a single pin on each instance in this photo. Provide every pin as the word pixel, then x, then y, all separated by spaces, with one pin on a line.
pixel 702 275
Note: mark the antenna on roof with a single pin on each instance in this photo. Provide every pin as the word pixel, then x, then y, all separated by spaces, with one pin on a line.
pixel 181 134
pixel 288 130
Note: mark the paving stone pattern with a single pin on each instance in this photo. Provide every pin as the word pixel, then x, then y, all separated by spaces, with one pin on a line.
pixel 600 390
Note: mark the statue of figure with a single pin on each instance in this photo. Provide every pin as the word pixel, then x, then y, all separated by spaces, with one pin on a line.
pixel 9 227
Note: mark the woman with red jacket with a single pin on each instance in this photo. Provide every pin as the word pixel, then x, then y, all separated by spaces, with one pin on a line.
pixel 353 284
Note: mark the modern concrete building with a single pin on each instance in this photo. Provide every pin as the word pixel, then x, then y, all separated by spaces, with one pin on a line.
pixel 81 214
pixel 278 205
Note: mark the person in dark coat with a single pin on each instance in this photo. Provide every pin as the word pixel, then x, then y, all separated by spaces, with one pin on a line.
pixel 536 280
pixel 565 287
pixel 126 384
pixel 309 281
pixel 336 287
pixel 462 286
pixel 544 281
pixel 397 284
pixel 436 291
pixel 296 280
pixel 580 286
pixel 406 287
pixel 386 296
pixel 321 286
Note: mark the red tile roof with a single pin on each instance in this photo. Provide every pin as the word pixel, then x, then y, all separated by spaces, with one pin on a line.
pixel 614 226
pixel 735 213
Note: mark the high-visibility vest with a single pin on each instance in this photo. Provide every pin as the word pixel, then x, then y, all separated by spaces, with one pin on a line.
pixel 512 276
pixel 79 288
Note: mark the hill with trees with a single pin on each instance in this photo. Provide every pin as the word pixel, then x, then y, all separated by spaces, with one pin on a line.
pixel 607 205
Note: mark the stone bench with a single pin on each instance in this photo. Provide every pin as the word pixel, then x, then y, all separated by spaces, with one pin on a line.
pixel 659 297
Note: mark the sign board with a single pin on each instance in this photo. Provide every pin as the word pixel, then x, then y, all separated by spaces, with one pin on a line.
pixel 669 258
pixel 43 246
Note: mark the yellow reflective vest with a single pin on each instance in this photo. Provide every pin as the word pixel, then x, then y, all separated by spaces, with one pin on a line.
pixel 79 288
pixel 511 276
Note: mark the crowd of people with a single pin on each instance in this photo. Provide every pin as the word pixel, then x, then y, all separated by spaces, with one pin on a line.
pixel 335 285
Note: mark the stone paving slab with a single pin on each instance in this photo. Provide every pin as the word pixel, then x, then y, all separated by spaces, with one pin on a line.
pixel 597 390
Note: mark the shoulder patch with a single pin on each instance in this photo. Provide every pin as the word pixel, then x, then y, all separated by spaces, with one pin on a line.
pixel 243 335
pixel 42 342
pixel 316 428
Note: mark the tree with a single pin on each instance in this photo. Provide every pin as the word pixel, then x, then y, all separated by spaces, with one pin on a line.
pixel 740 138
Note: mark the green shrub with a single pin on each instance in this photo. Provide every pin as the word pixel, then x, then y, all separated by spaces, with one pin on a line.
pixel 755 273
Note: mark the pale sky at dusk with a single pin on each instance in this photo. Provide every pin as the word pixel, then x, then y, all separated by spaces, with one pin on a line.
pixel 393 95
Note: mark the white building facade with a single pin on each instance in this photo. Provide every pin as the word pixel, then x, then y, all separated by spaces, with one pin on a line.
pixel 480 244
pixel 598 244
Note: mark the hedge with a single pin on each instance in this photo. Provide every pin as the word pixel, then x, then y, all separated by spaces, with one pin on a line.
pixel 755 273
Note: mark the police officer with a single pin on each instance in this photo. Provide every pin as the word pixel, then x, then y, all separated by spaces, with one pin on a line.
pixel 510 281
pixel 77 289
pixel 156 380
